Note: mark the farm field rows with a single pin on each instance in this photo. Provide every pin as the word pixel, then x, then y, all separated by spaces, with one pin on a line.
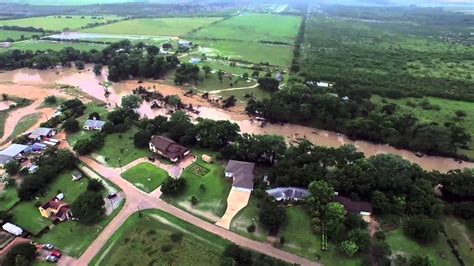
pixel 52 23
pixel 154 26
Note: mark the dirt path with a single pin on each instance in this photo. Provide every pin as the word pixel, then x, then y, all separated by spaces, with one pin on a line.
pixel 234 89
pixel 139 200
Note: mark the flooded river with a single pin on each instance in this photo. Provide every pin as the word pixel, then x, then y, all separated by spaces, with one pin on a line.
pixel 88 82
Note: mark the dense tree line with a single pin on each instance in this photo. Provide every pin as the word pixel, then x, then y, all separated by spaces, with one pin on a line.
pixel 125 60
pixel 353 114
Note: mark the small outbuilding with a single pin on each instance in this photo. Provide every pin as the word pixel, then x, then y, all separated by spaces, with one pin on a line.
pixel 42 132
pixel 93 124
pixel 14 151
pixel 12 229
pixel 206 158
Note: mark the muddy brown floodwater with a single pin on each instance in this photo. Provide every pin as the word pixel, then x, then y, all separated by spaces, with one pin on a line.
pixel 88 82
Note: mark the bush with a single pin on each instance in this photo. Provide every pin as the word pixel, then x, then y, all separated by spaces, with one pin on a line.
pixel 95 185
pixel 173 186
pixel 50 99
pixel 194 200
pixel 176 237
pixel 71 125
pixel 251 228
pixel 12 167
pixel 88 207
pixel 166 248
pixel 26 251
pixel 422 229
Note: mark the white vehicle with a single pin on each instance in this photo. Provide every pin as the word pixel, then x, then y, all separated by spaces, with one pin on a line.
pixel 12 229
pixel 54 140
pixel 50 143
pixel 60 196
pixel 51 258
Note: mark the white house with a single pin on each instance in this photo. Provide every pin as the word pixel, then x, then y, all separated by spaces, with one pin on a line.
pixel 92 124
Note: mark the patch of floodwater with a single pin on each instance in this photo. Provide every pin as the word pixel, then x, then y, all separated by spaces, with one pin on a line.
pixel 4 105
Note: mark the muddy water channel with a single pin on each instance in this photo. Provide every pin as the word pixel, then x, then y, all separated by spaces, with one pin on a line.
pixel 89 83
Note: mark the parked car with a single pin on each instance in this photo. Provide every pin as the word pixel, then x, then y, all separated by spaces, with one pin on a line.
pixel 51 258
pixel 112 195
pixel 56 254
pixel 47 246
pixel 151 158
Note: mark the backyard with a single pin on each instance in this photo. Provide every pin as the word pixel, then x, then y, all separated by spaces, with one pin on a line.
pixel 8 198
pixel 159 238
pixel 146 176
pixel 154 26
pixel 462 235
pixel 206 182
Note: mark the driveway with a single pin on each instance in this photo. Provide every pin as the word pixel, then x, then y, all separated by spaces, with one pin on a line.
pixel 236 201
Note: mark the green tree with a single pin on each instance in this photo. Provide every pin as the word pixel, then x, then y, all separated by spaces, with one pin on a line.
pixel 173 186
pixel 12 167
pixel 349 247
pixel 88 207
pixel 220 75
pixel 25 251
pixel 71 125
pixel 321 194
pixel 95 185
pixel 422 229
pixel 79 65
pixel 207 70
pixel 421 260
pixel 98 69
pixel 130 102
pixel 271 215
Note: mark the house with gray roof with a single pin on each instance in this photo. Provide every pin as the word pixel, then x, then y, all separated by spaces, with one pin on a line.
pixel 4 159
pixel 241 174
pixel 288 193
pixel 42 132
pixel 93 124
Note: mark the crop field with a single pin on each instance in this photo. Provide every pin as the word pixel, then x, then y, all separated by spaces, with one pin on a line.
pixel 154 26
pixel 52 23
pixel 34 45
pixel 279 55
pixel 253 28
pixel 16 35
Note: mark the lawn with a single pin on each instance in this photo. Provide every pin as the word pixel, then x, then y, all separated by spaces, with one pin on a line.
pixel 74 238
pixel 242 95
pixel 16 35
pixel 279 55
pixel 34 45
pixel 120 155
pixel 245 218
pixel 8 198
pixel 52 23
pixel 23 125
pixel 400 244
pixel 445 114
pixel 254 28
pixel 155 26
pixel 146 176
pixel 212 82
pixel 147 239
pixel 27 215
pixel 462 236
pixel 211 190
pixel 90 108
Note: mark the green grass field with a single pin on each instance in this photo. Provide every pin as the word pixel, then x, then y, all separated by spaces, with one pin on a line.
pixel 445 114
pixel 120 155
pixel 253 27
pixel 212 199
pixel 16 35
pixel 8 198
pixel 23 125
pixel 27 215
pixel 54 24
pixel 279 55
pixel 400 244
pixel 245 218
pixel 34 45
pixel 146 176
pixel 74 238
pixel 147 240
pixel 212 82
pixel 463 237
pixel 154 26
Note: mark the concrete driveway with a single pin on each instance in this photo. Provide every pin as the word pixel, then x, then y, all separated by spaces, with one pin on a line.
pixel 236 201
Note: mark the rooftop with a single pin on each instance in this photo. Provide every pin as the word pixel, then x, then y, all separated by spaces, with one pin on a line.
pixel 13 150
pixel 354 207
pixel 242 173
pixel 168 147
pixel 94 123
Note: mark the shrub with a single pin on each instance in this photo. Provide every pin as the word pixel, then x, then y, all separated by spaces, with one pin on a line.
pixel 422 229
pixel 50 99
pixel 176 237
pixel 166 248
pixel 251 228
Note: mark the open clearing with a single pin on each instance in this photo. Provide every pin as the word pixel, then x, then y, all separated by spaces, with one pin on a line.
pixel 52 23
pixel 253 27
pixel 16 35
pixel 154 26
pixel 462 235
pixel 146 176
pixel 150 237
pixel 34 45
pixel 8 198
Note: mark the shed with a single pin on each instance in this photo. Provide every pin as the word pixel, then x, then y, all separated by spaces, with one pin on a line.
pixel 206 158
pixel 14 150
pixel 76 175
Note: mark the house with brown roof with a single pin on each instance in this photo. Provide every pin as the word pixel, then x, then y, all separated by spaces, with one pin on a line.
pixel 56 210
pixel 241 174
pixel 355 207
pixel 168 148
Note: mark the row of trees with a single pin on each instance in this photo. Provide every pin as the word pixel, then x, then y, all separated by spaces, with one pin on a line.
pixel 355 115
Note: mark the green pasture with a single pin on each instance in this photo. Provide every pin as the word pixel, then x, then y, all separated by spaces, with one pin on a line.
pixel 146 176
pixel 34 45
pixel 8 198
pixel 52 23
pixel 16 35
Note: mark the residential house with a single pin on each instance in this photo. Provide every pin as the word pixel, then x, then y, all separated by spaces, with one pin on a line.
pixel 13 151
pixel 168 148
pixel 355 207
pixel 93 124
pixel 4 159
pixel 56 210
pixel 279 77
pixel 42 132
pixel 241 174
pixel 184 44
pixel 288 193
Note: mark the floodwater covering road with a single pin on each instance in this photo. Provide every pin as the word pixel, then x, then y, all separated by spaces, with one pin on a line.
pixel 88 82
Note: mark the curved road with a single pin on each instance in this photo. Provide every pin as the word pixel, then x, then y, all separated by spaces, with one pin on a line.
pixel 137 199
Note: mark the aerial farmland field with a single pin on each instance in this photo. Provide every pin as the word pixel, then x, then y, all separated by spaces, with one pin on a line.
pixel 57 23
pixel 253 27
pixel 16 35
pixel 155 26
pixel 34 45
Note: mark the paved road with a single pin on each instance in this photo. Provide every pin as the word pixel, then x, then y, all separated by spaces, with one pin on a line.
pixel 137 199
